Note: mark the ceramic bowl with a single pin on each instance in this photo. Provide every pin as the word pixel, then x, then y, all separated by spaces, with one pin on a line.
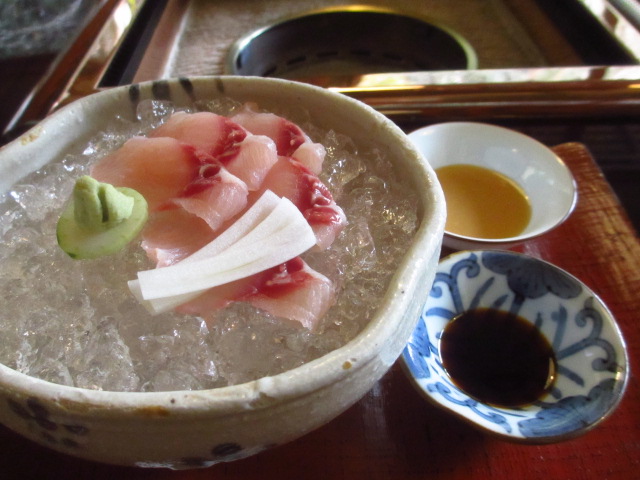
pixel 184 429
pixel 590 352
pixel 545 179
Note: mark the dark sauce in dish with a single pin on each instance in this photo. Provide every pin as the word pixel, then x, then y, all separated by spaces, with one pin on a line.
pixel 497 357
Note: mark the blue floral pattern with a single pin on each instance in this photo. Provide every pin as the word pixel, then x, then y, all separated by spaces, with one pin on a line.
pixel 592 364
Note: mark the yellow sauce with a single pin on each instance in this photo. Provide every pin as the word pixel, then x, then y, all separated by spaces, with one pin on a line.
pixel 483 203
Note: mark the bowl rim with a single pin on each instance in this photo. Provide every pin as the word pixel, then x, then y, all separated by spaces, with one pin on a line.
pixel 291 384
pixel 497 242
pixel 546 439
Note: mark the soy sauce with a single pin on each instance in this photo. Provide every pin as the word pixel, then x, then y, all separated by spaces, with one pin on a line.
pixel 497 357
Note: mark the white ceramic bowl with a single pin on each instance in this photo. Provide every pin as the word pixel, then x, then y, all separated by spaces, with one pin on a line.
pixel 182 429
pixel 590 352
pixel 543 176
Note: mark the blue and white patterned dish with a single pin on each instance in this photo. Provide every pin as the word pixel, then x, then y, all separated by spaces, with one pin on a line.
pixel 589 348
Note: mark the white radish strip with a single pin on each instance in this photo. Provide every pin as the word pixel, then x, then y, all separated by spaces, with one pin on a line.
pixel 161 305
pixel 134 288
pixel 249 220
pixel 226 268
pixel 241 227
pixel 285 242
pixel 278 219
pixel 276 228
pixel 283 235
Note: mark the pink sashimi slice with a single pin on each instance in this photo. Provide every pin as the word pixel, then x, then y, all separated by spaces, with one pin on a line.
pixel 290 139
pixel 287 135
pixel 199 172
pixel 215 195
pixel 173 234
pixel 292 290
pixel 211 301
pixel 158 168
pixel 311 155
pixel 247 156
pixel 256 155
pixel 208 132
pixel 295 291
pixel 289 178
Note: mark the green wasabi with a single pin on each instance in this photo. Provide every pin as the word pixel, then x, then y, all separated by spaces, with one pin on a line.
pixel 100 219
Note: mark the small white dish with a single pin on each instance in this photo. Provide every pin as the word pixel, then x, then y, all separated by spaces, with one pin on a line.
pixel 592 365
pixel 545 179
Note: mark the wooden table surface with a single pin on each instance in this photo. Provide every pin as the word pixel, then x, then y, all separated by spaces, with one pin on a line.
pixel 392 433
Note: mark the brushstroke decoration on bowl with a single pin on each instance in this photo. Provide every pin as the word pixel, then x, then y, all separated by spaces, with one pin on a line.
pixel 592 370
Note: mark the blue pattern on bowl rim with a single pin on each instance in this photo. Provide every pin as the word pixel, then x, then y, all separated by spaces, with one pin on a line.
pixel 589 348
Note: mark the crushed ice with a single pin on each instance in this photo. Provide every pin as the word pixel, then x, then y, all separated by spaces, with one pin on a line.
pixel 75 323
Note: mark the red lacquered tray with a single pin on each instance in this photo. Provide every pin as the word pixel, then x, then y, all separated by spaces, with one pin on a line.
pixel 392 433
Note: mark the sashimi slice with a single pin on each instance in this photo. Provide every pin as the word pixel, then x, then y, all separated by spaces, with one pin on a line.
pixel 289 178
pixel 215 195
pixel 287 135
pixel 247 156
pixel 255 157
pixel 172 235
pixel 249 220
pixel 208 132
pixel 207 303
pixel 292 290
pixel 295 291
pixel 311 155
pixel 158 168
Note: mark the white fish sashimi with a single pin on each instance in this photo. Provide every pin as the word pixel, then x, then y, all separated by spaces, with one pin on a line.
pixel 216 137
pixel 210 134
pixel 289 178
pixel 215 195
pixel 171 235
pixel 311 155
pixel 297 292
pixel 256 155
pixel 228 235
pixel 158 168
pixel 291 290
pixel 289 138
